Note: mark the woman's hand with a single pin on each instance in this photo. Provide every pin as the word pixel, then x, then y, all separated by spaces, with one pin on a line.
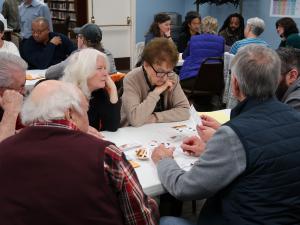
pixel 168 85
pixel 112 90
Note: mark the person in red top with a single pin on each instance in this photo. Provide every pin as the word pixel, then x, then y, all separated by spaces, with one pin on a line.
pixel 53 172
pixel 12 88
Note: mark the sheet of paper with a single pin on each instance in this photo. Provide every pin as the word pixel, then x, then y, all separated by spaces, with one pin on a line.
pixel 195 116
pixel 221 116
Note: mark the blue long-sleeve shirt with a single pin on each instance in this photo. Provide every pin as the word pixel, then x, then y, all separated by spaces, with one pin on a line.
pixel 41 56
pixel 29 13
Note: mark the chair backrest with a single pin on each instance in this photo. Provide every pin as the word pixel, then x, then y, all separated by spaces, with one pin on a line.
pixel 210 78
pixel 62 28
pixel 139 47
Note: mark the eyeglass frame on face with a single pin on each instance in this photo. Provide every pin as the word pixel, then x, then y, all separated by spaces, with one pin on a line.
pixel 38 32
pixel 168 74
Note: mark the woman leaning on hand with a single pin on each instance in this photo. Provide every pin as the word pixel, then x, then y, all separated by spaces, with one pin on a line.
pixel 152 92
pixel 161 27
pixel 88 69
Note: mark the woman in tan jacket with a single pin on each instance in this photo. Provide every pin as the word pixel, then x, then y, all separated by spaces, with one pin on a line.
pixel 152 92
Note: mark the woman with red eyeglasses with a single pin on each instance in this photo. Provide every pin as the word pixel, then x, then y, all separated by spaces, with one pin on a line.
pixel 152 92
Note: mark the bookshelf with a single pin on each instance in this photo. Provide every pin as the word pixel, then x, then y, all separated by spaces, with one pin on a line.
pixel 67 14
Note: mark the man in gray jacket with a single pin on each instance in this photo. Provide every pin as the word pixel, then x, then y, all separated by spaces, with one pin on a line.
pixel 288 90
pixel 249 170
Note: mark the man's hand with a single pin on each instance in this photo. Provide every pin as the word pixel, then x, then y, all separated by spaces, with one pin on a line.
pixel 205 132
pixel 193 146
pixel 161 152
pixel 56 40
pixel 210 122
pixel 168 85
pixel 11 101
pixel 92 131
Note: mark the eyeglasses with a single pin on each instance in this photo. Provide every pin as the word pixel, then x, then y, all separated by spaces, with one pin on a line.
pixel 38 32
pixel 162 74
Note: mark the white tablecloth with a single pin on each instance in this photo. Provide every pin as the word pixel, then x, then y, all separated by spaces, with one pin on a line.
pixel 35 74
pixel 148 136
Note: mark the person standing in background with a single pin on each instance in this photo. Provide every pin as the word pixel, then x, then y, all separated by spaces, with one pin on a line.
pixel 190 26
pixel 10 12
pixel 29 10
pixel 1 3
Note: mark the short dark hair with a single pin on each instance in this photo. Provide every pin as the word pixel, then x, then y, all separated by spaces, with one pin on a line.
pixel 160 50
pixel 289 26
pixel 289 58
pixel 158 18
pixel 1 26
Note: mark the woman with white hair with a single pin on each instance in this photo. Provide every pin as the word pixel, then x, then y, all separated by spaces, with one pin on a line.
pixel 200 47
pixel 88 70
pixel 254 28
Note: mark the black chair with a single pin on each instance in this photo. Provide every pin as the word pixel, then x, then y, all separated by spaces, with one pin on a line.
pixel 209 81
pixel 62 28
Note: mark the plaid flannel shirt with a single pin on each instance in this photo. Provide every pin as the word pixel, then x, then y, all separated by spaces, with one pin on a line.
pixel 137 208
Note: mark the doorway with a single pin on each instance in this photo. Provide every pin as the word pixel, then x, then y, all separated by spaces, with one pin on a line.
pixel 116 19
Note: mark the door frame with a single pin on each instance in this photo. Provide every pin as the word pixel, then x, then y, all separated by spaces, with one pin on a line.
pixel 132 26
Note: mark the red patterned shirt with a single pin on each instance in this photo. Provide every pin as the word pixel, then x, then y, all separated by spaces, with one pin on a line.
pixel 137 208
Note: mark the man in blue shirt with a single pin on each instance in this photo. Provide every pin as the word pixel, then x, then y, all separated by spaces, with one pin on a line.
pixel 45 48
pixel 29 10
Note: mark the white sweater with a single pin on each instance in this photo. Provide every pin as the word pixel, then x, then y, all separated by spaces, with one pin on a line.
pixel 10 47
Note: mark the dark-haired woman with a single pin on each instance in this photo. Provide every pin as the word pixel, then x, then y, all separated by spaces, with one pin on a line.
pixel 190 26
pixel 289 33
pixel 161 27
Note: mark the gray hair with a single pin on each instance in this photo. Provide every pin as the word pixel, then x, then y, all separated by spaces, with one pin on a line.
pixel 257 70
pixel 8 63
pixel 52 106
pixel 81 66
pixel 41 19
pixel 257 25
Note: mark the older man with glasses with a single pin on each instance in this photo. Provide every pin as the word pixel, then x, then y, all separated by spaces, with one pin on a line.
pixel 152 92
pixel 45 48
pixel 12 89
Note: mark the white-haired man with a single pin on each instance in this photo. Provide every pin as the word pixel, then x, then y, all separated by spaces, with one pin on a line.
pixel 249 170
pixel 254 28
pixel 12 88
pixel 52 172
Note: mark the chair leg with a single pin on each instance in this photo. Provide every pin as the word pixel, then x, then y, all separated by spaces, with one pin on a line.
pixel 194 206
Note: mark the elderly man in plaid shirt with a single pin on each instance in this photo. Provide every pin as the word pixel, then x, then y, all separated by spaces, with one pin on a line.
pixel 53 172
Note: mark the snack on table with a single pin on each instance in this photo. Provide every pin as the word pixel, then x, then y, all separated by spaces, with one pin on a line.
pixel 31 77
pixel 141 153
pixel 134 164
